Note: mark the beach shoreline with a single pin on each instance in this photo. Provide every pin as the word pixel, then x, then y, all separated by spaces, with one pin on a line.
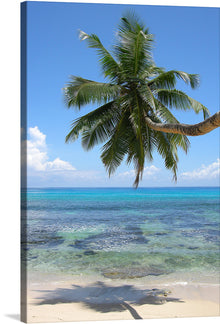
pixel 84 299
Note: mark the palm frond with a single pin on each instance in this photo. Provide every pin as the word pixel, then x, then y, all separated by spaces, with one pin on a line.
pixel 131 22
pixel 174 98
pixel 147 97
pixel 133 156
pixel 177 139
pixel 167 80
pixel 97 134
pixel 167 149
pixel 140 143
pixel 100 131
pixel 116 148
pixel 134 46
pixel 152 72
pixel 86 122
pixel 197 107
pixel 150 143
pixel 180 141
pixel 163 113
pixel 191 79
pixel 135 152
pixel 110 67
pixel 80 91
pixel 180 100
pixel 167 145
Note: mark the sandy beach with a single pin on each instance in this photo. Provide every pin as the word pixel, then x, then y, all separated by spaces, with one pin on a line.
pixel 75 299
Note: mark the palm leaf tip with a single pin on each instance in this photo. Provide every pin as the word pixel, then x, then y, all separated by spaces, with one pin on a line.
pixel 175 177
pixel 137 180
pixel 206 113
pixel 82 35
pixel 197 107
pixel 194 80
pixel 71 137
pixel 67 138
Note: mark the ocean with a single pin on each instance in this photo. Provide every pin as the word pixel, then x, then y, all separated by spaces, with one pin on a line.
pixel 123 233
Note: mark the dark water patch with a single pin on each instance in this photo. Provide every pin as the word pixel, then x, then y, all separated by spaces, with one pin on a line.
pixel 78 244
pixel 135 263
pixel 70 206
pixel 211 235
pixel 89 252
pixel 115 238
pixel 42 238
pixel 160 234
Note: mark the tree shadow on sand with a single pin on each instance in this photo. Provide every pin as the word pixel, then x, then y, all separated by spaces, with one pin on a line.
pixel 103 298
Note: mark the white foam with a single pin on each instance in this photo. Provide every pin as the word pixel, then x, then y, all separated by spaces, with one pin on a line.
pixel 177 283
pixel 182 283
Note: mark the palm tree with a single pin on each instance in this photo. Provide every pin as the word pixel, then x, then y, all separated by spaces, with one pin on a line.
pixel 134 115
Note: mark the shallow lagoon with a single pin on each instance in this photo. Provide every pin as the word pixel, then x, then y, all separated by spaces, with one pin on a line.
pixel 122 233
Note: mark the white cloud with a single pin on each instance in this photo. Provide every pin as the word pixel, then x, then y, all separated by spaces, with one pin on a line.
pixel 148 171
pixel 38 138
pixel 211 171
pixel 151 170
pixel 37 156
pixel 41 170
pixel 59 164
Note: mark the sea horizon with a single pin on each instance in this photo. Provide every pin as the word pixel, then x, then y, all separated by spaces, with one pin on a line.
pixel 106 187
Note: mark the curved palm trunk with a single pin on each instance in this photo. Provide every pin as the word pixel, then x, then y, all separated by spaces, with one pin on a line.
pixel 190 130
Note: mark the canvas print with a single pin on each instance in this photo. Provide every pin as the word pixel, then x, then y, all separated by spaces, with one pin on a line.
pixel 119 162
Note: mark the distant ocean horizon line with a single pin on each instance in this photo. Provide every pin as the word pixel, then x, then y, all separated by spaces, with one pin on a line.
pixel 104 187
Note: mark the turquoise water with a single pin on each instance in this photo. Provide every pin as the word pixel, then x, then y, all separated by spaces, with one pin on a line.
pixel 122 233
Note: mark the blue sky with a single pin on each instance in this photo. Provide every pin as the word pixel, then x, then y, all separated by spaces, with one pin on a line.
pixel 186 39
